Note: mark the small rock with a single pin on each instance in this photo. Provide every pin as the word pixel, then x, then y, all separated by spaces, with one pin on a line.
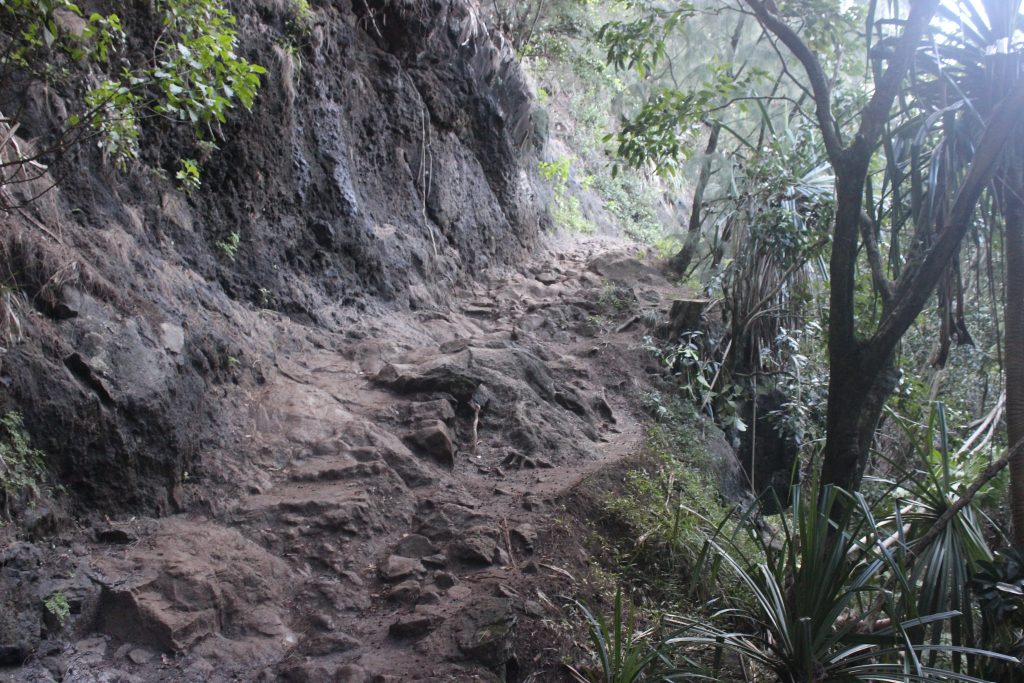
pixel 350 673
pixel 140 655
pixel 485 633
pixel 546 278
pixel 329 644
pixel 322 621
pixel 436 561
pixel 116 536
pixel 457 593
pixel 95 645
pixel 504 591
pixel 412 625
pixel 429 596
pixel 533 609
pixel 444 579
pixel 406 592
pixel 415 546
pixel 532 504
pixel 473 548
pixel 440 409
pixel 525 535
pixel 173 337
pixel 454 346
pixel 482 397
pixel 435 442
pixel 396 568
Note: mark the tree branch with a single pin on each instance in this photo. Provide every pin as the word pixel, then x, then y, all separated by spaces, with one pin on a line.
pixel 876 113
pixel 819 83
pixel 882 283
pixel 965 499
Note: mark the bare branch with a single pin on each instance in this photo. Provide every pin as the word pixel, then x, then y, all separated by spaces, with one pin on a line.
pixel 876 113
pixel 819 83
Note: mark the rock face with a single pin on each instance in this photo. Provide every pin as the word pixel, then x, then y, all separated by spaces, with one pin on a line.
pixel 198 580
pixel 20 616
pixel 391 165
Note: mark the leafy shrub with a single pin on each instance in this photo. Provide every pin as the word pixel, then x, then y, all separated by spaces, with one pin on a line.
pixel 57 605
pixel 189 74
pixel 22 468
pixel 999 586
pixel 229 245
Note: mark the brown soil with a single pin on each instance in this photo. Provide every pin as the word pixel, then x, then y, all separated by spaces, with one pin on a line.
pixel 353 530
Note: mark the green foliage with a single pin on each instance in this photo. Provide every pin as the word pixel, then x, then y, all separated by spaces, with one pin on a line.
pixel 300 18
pixel 812 594
pixel 693 363
pixel 229 245
pixel 190 73
pixel 662 132
pixel 567 212
pixel 668 508
pixel 943 570
pixel 624 654
pixel 631 201
pixel 195 77
pixel 22 468
pixel 57 605
pixel 640 43
pixel 31 29
pixel 999 586
pixel 616 298
pixel 188 175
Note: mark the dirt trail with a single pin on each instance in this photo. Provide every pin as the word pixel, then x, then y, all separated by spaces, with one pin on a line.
pixel 394 485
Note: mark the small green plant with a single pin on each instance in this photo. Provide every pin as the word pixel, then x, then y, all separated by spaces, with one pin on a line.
pixel 616 298
pixel 57 605
pixel 188 175
pixel 229 245
pixel 669 506
pixel 22 468
pixel 300 19
pixel 624 654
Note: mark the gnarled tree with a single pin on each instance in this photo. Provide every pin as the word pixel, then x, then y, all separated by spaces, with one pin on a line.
pixel 862 370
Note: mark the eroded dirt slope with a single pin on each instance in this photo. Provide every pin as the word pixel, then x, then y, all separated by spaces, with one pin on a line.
pixel 375 512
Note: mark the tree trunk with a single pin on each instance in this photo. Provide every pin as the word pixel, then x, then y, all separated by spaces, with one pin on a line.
pixel 681 261
pixel 1010 189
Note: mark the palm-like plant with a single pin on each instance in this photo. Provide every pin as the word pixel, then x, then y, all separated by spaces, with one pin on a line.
pixel 810 598
pixel 972 61
pixel 999 585
pixel 624 654
pixel 940 571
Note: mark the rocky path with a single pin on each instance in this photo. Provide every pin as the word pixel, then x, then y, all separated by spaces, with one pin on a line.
pixel 394 480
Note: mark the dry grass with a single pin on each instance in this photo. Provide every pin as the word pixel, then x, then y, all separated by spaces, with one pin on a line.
pixel 35 267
